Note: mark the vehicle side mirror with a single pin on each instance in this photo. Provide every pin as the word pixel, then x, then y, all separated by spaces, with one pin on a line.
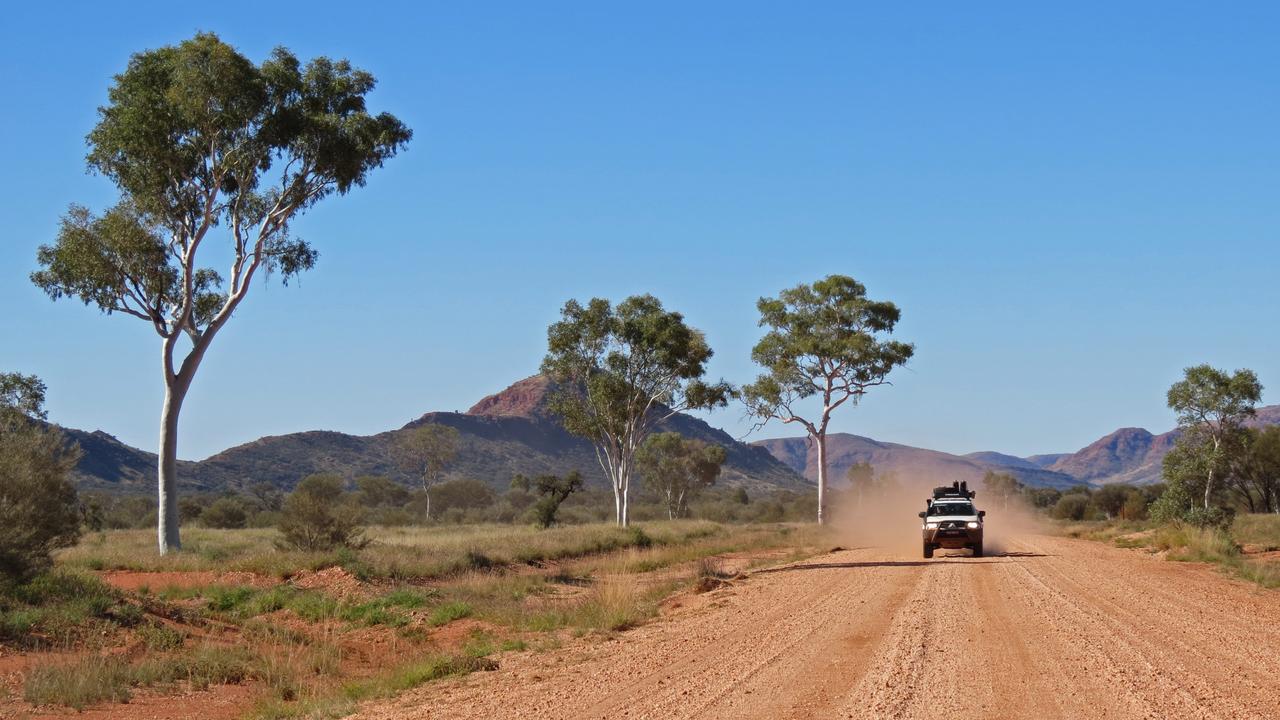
pixel 982 513
pixel 922 514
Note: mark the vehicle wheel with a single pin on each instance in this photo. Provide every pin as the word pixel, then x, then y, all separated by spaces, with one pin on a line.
pixel 977 550
pixel 928 551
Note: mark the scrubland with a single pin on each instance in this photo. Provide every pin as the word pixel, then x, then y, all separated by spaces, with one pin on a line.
pixel 284 633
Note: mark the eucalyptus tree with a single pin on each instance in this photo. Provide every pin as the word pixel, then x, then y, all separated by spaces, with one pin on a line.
pixel 619 372
pixel 202 144
pixel 676 468
pixel 825 341
pixel 426 451
pixel 1212 406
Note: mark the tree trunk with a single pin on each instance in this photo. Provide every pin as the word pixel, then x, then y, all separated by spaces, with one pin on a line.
pixel 1208 485
pixel 821 439
pixel 167 500
pixel 626 508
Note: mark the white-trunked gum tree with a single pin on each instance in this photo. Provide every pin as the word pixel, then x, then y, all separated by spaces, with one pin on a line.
pixel 824 340
pixel 621 371
pixel 206 147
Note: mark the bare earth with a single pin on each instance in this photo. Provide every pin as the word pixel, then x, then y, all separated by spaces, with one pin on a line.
pixel 1052 628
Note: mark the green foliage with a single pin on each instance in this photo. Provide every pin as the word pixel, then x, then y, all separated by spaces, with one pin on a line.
pixel 426 451
pixel 1256 475
pixel 315 516
pixel 461 494
pixel 619 371
pixel 190 136
pixel 553 490
pixel 380 492
pixel 1210 399
pixel 1070 507
pixel 39 509
pixel 21 395
pixel 224 513
pixel 677 468
pixel 822 338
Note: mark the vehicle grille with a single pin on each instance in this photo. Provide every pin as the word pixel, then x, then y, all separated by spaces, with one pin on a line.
pixel 952 524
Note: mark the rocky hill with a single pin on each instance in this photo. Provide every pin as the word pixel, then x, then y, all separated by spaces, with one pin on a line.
pixel 503 434
pixel 911 465
pixel 1128 455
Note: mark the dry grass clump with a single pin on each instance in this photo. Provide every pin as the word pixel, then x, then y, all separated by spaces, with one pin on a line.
pixel 1262 530
pixel 97 678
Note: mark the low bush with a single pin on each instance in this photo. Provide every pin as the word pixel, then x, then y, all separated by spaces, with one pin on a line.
pixel 318 516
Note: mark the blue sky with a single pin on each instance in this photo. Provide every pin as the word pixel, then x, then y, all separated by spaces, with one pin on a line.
pixel 1069 204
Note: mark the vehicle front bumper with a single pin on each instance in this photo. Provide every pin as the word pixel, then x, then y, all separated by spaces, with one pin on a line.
pixel 953 534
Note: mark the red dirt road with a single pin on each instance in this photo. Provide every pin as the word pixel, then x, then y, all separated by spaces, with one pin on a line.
pixel 1054 628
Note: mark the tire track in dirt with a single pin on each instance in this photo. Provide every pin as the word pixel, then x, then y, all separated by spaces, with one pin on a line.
pixel 1180 668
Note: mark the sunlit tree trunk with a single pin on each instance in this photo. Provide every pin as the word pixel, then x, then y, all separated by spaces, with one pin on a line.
pixel 167 501
pixel 822 477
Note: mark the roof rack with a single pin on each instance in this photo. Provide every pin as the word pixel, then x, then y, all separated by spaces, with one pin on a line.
pixel 956 489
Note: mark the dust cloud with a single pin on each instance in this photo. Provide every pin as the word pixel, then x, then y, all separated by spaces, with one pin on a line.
pixel 886 516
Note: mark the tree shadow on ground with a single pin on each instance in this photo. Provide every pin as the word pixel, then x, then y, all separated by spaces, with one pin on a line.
pixel 945 560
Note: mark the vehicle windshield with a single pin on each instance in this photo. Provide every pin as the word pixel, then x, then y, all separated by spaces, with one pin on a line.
pixel 951 509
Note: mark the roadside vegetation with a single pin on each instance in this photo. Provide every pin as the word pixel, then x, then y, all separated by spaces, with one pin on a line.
pixel 314 633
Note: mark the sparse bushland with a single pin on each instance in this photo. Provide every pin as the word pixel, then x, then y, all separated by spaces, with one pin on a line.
pixel 517 587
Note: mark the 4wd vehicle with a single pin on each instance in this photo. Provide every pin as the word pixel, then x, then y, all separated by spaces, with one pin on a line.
pixel 951 521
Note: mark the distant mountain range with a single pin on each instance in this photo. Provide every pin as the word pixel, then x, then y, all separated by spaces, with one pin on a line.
pixel 503 434
pixel 1128 455
pixel 512 432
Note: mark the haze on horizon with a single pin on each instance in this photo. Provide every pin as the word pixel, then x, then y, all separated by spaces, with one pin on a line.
pixel 1069 205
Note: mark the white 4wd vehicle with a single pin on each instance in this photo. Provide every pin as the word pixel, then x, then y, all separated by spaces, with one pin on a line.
pixel 951 521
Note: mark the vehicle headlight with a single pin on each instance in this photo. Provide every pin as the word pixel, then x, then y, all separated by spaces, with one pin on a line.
pixel 931 526
pixel 973 526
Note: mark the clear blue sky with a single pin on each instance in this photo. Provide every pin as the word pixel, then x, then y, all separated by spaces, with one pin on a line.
pixel 1069 203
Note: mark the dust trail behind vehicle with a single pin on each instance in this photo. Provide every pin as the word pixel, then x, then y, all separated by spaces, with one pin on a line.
pixel 885 516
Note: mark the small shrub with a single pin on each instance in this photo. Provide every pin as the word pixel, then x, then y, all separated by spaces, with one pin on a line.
pixel 709 575
pixel 39 509
pixel 159 638
pixel 224 513
pixel 449 612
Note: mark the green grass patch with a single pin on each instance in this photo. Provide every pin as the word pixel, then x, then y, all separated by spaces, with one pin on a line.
pixel 448 612
pixel 61 608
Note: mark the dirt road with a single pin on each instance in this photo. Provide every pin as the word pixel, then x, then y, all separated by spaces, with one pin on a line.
pixel 1052 628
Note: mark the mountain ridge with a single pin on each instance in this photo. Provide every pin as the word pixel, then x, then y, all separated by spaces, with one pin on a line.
pixel 505 433
pixel 1126 455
